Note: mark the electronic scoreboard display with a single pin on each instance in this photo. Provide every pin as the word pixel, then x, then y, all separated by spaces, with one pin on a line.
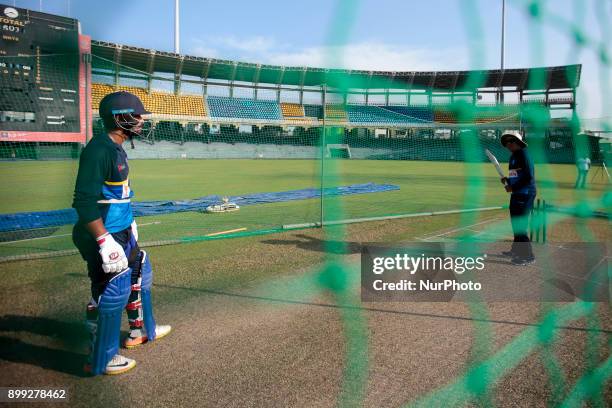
pixel 40 77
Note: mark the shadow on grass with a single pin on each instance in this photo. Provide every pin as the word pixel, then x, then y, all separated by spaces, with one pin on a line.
pixel 370 309
pixel 309 243
pixel 71 335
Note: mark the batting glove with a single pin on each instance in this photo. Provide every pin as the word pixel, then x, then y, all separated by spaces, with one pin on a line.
pixel 134 230
pixel 113 256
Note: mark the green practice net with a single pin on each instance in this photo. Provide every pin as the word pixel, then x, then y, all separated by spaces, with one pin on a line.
pixel 226 159
pixel 480 379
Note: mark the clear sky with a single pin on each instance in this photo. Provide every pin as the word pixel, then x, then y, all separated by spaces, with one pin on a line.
pixel 382 34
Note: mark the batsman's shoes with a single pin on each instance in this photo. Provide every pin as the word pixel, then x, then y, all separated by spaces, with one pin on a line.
pixel 138 336
pixel 118 365
pixel 523 261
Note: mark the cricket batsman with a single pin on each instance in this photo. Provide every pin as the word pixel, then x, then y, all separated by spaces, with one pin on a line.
pixel 107 238
pixel 520 183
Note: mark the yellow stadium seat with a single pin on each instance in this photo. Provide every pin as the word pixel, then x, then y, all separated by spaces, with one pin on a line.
pixel 292 110
pixel 335 112
pixel 155 102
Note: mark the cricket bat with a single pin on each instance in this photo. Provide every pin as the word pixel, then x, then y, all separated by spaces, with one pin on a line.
pixel 493 160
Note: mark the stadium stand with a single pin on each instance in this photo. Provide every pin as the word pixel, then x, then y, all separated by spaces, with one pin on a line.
pixel 497 113
pixel 124 67
pixel 98 91
pixel 208 110
pixel 292 110
pixel 223 107
pixel 561 100
pixel 139 92
pixel 412 114
pixel 164 103
pixel 295 114
pixel 157 102
pixel 335 112
pixel 188 105
pixel 313 111
pixel 241 108
pixel 373 114
pixel 444 116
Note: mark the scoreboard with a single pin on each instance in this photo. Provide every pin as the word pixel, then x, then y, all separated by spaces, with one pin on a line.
pixel 42 77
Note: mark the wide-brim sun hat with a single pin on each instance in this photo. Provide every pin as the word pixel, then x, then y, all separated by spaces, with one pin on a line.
pixel 512 136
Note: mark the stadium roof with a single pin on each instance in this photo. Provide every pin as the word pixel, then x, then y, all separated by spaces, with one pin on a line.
pixel 150 61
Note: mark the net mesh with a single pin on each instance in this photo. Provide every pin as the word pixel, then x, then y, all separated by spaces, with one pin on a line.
pixel 326 157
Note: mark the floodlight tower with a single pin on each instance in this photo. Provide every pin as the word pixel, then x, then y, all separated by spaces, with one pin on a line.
pixel 503 40
pixel 503 32
pixel 176 27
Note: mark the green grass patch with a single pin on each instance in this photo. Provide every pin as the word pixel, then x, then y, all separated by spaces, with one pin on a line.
pixel 424 186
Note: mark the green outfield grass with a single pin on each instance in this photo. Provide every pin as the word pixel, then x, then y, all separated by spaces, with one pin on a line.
pixel 424 186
